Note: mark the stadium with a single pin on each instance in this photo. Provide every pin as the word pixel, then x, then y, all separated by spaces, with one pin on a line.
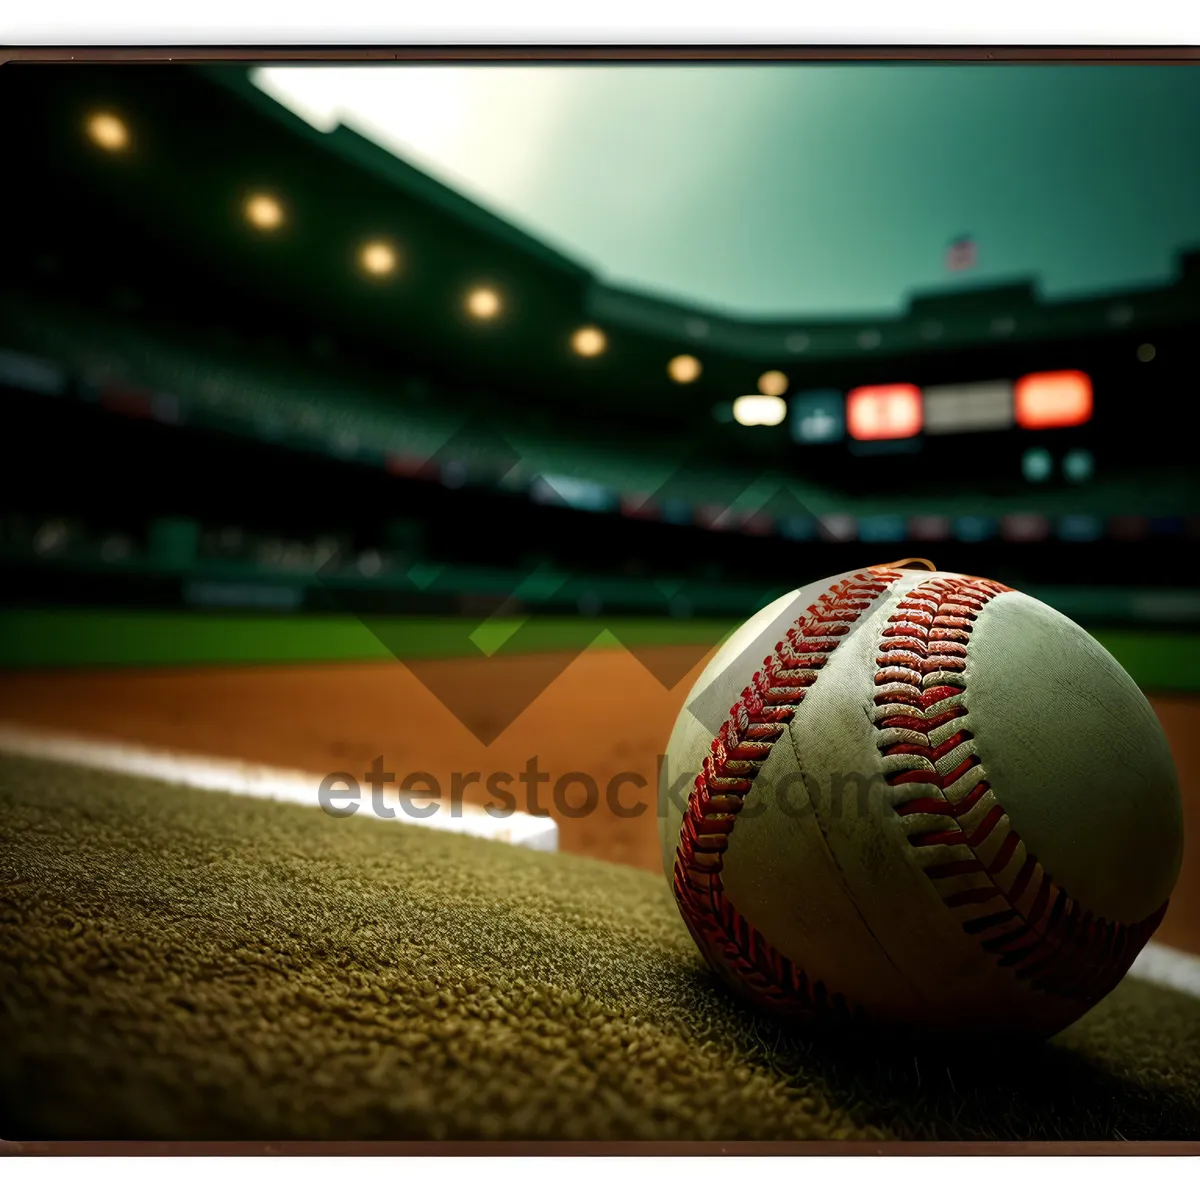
pixel 330 459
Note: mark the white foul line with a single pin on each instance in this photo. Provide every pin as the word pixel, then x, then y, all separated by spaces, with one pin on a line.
pixel 1157 963
pixel 1170 967
pixel 265 783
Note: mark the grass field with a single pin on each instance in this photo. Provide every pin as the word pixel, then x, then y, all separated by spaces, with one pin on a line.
pixel 1158 661
pixel 194 965
pixel 71 637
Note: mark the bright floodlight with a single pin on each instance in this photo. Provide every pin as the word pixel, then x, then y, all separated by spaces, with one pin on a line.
pixel 759 410
pixel 264 212
pixel 483 304
pixel 772 383
pixel 588 342
pixel 377 258
pixel 108 131
pixel 683 368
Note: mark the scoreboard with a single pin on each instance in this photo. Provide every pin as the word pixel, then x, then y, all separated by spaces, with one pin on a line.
pixel 899 412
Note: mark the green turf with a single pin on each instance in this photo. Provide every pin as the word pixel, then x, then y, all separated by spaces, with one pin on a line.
pixel 1158 661
pixel 60 638
pixel 181 964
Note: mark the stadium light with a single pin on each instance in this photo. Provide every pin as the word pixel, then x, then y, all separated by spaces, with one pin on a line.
pixel 772 383
pixel 264 211
pixel 483 304
pixel 588 342
pixel 684 368
pixel 378 258
pixel 108 131
pixel 759 410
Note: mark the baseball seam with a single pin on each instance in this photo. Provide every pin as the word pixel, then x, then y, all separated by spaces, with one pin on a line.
pixel 964 840
pixel 756 722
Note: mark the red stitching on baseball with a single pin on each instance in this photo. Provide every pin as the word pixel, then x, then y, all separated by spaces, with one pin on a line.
pixel 737 753
pixel 1040 932
pixel 1030 925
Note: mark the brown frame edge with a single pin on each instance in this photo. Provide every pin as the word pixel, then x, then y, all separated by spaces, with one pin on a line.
pixel 1138 55
pixel 594 1149
pixel 607 53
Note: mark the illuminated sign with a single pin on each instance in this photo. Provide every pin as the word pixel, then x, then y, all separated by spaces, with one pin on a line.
pixel 1080 527
pixel 1128 529
pixel 837 527
pixel 818 416
pixel 798 528
pixel 974 529
pixel 968 407
pixel 889 411
pixel 573 493
pixel 759 410
pixel 929 527
pixel 881 527
pixel 1053 400
pixel 1024 527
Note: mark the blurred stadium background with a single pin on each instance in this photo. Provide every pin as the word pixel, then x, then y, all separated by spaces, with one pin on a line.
pixel 314 374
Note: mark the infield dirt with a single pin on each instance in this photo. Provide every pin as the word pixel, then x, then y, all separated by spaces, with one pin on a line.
pixel 606 714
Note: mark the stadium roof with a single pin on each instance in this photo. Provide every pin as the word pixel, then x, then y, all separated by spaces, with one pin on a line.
pixel 173 215
pixel 802 190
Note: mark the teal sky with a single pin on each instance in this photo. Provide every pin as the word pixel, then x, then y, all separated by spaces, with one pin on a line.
pixel 806 190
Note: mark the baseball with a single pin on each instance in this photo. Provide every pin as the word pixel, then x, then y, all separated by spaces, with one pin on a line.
pixel 923 799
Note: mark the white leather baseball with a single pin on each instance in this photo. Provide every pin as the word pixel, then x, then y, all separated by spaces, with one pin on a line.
pixel 923 798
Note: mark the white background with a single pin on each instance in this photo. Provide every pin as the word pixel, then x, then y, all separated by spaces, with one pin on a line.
pixel 563 22
pixel 550 22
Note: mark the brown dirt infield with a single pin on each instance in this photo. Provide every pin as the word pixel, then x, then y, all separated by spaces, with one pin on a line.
pixel 604 715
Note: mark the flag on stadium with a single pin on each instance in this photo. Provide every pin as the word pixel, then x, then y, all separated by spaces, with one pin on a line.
pixel 962 254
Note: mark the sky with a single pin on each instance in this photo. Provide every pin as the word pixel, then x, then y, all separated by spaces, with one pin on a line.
pixel 776 190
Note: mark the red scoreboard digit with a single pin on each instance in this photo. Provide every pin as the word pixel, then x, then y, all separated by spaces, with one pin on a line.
pixel 1053 400
pixel 884 412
